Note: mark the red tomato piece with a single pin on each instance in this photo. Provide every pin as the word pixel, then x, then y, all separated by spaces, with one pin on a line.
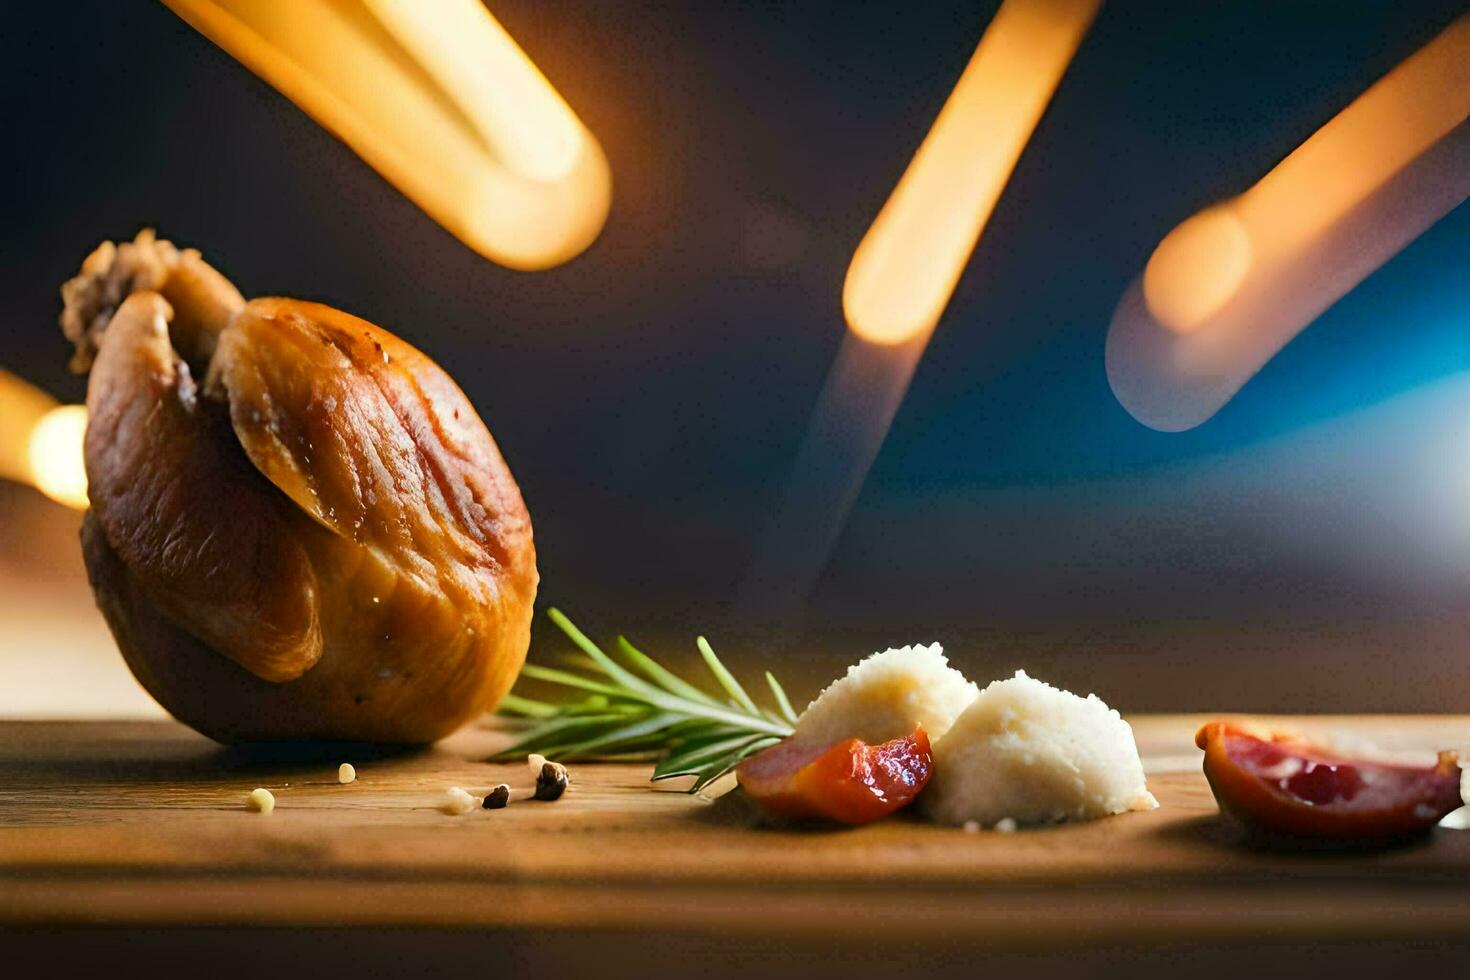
pixel 1281 787
pixel 851 782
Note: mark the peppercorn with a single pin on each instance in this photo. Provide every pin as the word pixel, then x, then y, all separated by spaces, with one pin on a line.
pixel 498 798
pixel 551 781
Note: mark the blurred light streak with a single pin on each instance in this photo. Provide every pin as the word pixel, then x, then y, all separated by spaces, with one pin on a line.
pixel 901 278
pixel 440 100
pixel 55 455
pixel 906 267
pixel 41 442
pixel 857 404
pixel 1232 285
pixel 22 405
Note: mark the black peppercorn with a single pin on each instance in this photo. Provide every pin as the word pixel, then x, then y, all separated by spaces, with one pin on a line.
pixel 551 781
pixel 497 798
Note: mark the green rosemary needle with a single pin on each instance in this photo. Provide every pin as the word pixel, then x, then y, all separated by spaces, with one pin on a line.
pixel 644 711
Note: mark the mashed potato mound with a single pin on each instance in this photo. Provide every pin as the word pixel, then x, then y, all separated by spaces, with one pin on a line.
pixel 884 696
pixel 1027 752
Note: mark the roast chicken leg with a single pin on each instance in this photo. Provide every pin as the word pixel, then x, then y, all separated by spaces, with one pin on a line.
pixel 299 526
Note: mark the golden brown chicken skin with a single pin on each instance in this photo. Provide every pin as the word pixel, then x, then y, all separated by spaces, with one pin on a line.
pixel 300 528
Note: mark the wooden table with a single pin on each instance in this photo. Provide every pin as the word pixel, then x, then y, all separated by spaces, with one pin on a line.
pixel 144 825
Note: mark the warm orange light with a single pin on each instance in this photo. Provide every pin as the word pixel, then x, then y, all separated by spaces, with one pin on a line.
pixel 906 267
pixel 54 455
pixel 901 278
pixel 41 441
pixel 440 100
pixel 1198 268
pixel 22 405
pixel 1384 130
pixel 1232 285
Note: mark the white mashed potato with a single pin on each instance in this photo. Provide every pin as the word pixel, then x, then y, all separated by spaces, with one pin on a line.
pixel 1025 752
pixel 886 695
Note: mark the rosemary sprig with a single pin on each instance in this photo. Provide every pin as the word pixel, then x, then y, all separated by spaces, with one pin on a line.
pixel 644 711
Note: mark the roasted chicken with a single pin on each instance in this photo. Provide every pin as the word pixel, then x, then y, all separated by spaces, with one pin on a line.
pixel 299 526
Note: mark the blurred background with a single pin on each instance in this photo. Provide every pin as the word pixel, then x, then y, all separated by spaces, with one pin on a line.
pixel 1308 548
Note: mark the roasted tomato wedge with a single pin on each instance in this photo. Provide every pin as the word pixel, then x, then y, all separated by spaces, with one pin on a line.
pixel 850 782
pixel 1281 788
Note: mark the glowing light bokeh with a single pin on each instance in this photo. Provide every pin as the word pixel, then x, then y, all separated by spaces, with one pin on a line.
pixel 1197 269
pixel 21 406
pixel 906 267
pixel 54 455
pixel 903 275
pixel 41 441
pixel 440 100
pixel 1232 285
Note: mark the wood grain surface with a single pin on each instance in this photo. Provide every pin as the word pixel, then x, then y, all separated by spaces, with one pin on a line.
pixel 145 824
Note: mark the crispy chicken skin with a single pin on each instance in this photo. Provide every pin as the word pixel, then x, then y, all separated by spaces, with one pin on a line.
pixel 300 528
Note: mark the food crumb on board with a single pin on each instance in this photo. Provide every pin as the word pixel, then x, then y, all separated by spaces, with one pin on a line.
pixel 498 798
pixel 261 800
pixel 346 773
pixel 551 781
pixel 456 801
pixel 972 826
pixel 1006 825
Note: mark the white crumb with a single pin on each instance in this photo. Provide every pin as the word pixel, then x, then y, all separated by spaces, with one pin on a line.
pixel 456 801
pixel 261 800
pixel 346 773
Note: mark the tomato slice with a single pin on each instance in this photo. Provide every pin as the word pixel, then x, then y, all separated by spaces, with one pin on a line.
pixel 1281 787
pixel 850 782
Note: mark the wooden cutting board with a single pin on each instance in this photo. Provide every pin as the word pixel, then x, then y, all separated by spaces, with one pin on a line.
pixel 145 824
